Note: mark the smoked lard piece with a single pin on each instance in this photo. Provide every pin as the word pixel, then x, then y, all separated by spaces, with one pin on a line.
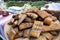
pixel 57 38
pixel 48 20
pixel 35 33
pixel 25 25
pixel 19 34
pixel 46 28
pixel 10 23
pixel 32 15
pixel 43 14
pixel 22 39
pixel 22 17
pixel 31 21
pixel 16 22
pixel 14 15
pixel 37 25
pixel 29 10
pixel 25 38
pixel 19 39
pixel 13 25
pixel 15 29
pixel 12 20
pixel 48 35
pixel 35 10
pixel 55 25
pixel 26 33
pixel 42 38
pixel 52 27
pixel 27 19
pixel 53 18
pixel 11 34
pixel 54 33
pixel 32 10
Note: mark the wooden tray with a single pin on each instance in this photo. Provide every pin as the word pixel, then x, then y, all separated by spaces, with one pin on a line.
pixel 6 29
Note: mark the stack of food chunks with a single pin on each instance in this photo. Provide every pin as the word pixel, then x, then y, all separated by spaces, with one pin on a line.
pixel 34 24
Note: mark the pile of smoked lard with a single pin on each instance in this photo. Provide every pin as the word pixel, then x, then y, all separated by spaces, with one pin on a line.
pixel 34 24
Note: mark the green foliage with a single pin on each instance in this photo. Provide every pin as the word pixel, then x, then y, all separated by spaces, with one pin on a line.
pixel 15 3
pixel 10 0
pixel 37 4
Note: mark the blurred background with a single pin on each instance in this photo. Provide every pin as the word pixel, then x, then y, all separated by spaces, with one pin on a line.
pixel 36 3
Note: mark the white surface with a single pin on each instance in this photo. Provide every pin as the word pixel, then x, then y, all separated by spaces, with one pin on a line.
pixel 52 6
pixel 15 8
pixel 5 19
